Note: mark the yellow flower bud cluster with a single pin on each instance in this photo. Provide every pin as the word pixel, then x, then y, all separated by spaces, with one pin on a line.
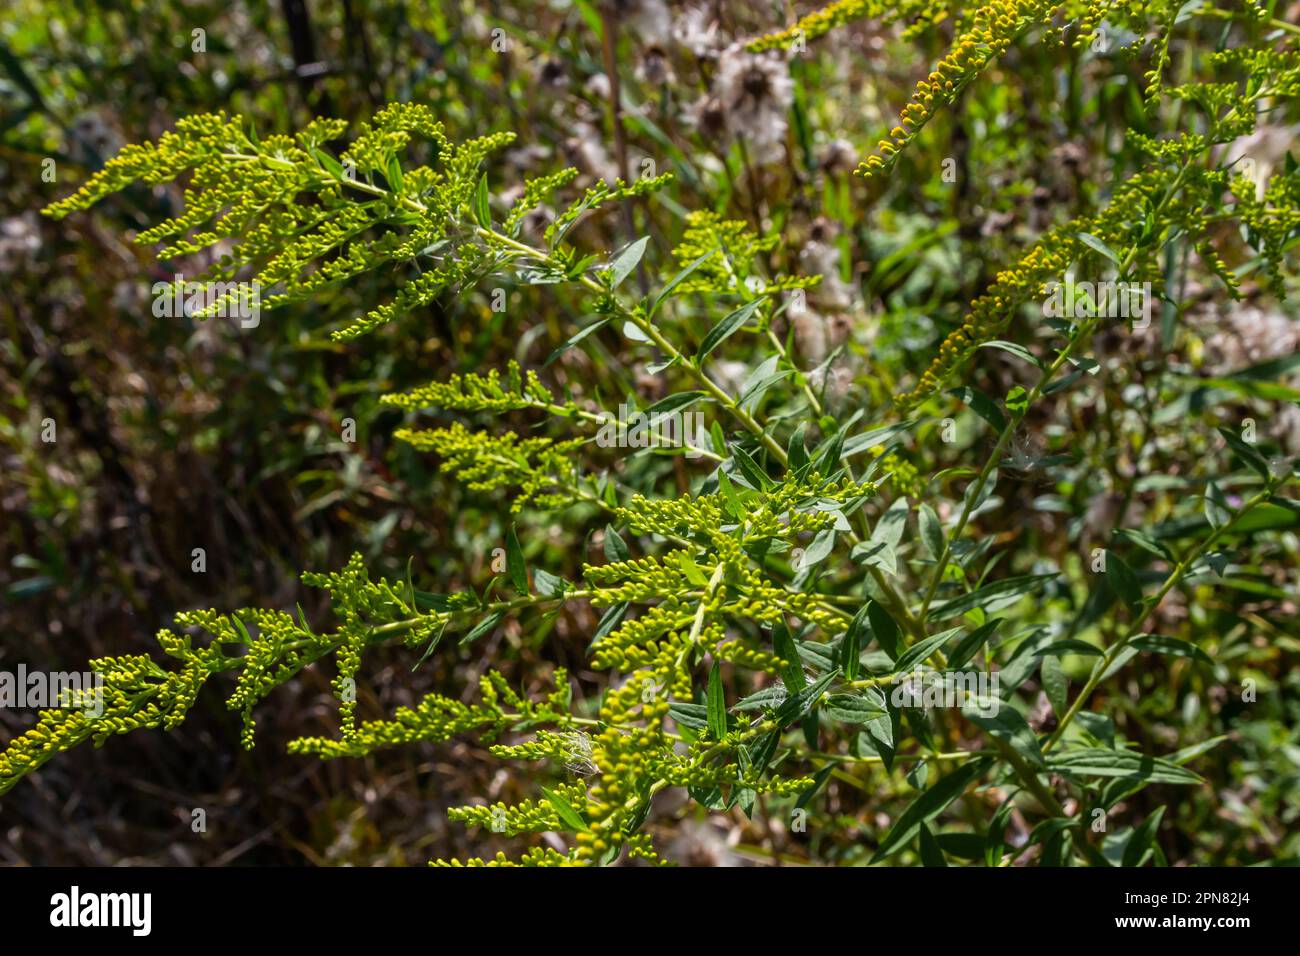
pixel 477 393
pixel 537 856
pixel 527 816
pixel 543 471
pixel 820 23
pixel 993 27
pixel 737 652
pixel 1048 259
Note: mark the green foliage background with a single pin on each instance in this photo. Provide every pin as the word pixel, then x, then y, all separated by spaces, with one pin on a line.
pixel 175 433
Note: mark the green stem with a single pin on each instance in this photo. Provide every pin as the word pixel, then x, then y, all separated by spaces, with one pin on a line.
pixel 1080 335
pixel 1179 571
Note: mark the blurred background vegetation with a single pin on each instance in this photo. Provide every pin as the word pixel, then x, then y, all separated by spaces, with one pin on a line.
pixel 173 434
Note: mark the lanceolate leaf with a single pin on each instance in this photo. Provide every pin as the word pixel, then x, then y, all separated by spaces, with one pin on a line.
pixel 879 550
pixel 725 327
pixel 991 597
pixel 616 548
pixel 1157 644
pixel 717 704
pixel 1120 763
pixel 515 565
pixel 1123 581
pixel 884 629
pixel 851 645
pixel 626 261
pixel 931 530
pixel 1006 724
pixel 850 709
pixel 919 652
pixel 483 627
pixel 482 214
pixel 929 805
pixel 564 810
pixel 1138 847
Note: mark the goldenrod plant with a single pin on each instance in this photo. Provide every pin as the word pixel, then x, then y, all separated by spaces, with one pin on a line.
pixel 799 595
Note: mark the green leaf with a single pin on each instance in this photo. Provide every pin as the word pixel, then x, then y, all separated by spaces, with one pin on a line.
pixel 981 405
pixel 851 645
pixel 729 324
pixel 621 266
pixel 818 549
pixel 819 781
pixel 717 704
pixel 879 549
pixel 483 627
pixel 1098 725
pixel 827 455
pixel 694 716
pixel 1158 644
pixel 919 775
pixel 1250 388
pixel 1055 684
pixel 964 846
pixel 879 738
pixel 1096 762
pixel 1138 847
pixel 515 565
pixel 756 476
pixel 795 450
pixel 884 629
pixel 612 617
pixel 673 403
pixel 692 570
pixel 969 645
pixel 1216 506
pixel 919 651
pixel 635 333
pixel 1019 351
pixel 548 584
pixel 851 709
pixel 735 506
pixel 1017 400
pixel 758 385
pixel 874 437
pixel 393 172
pixel 1006 724
pixel 329 163
pixel 783 646
pixel 678 280
pixel 1146 542
pixel 929 805
pixel 575 339
pixel 931 854
pixel 1252 458
pixel 765 699
pixel 796 705
pixel 564 810
pixel 996 836
pixel 931 531
pixel 762 752
pixel 1123 582
pixel 991 597
pixel 615 547
pixel 1095 244
pixel 482 211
